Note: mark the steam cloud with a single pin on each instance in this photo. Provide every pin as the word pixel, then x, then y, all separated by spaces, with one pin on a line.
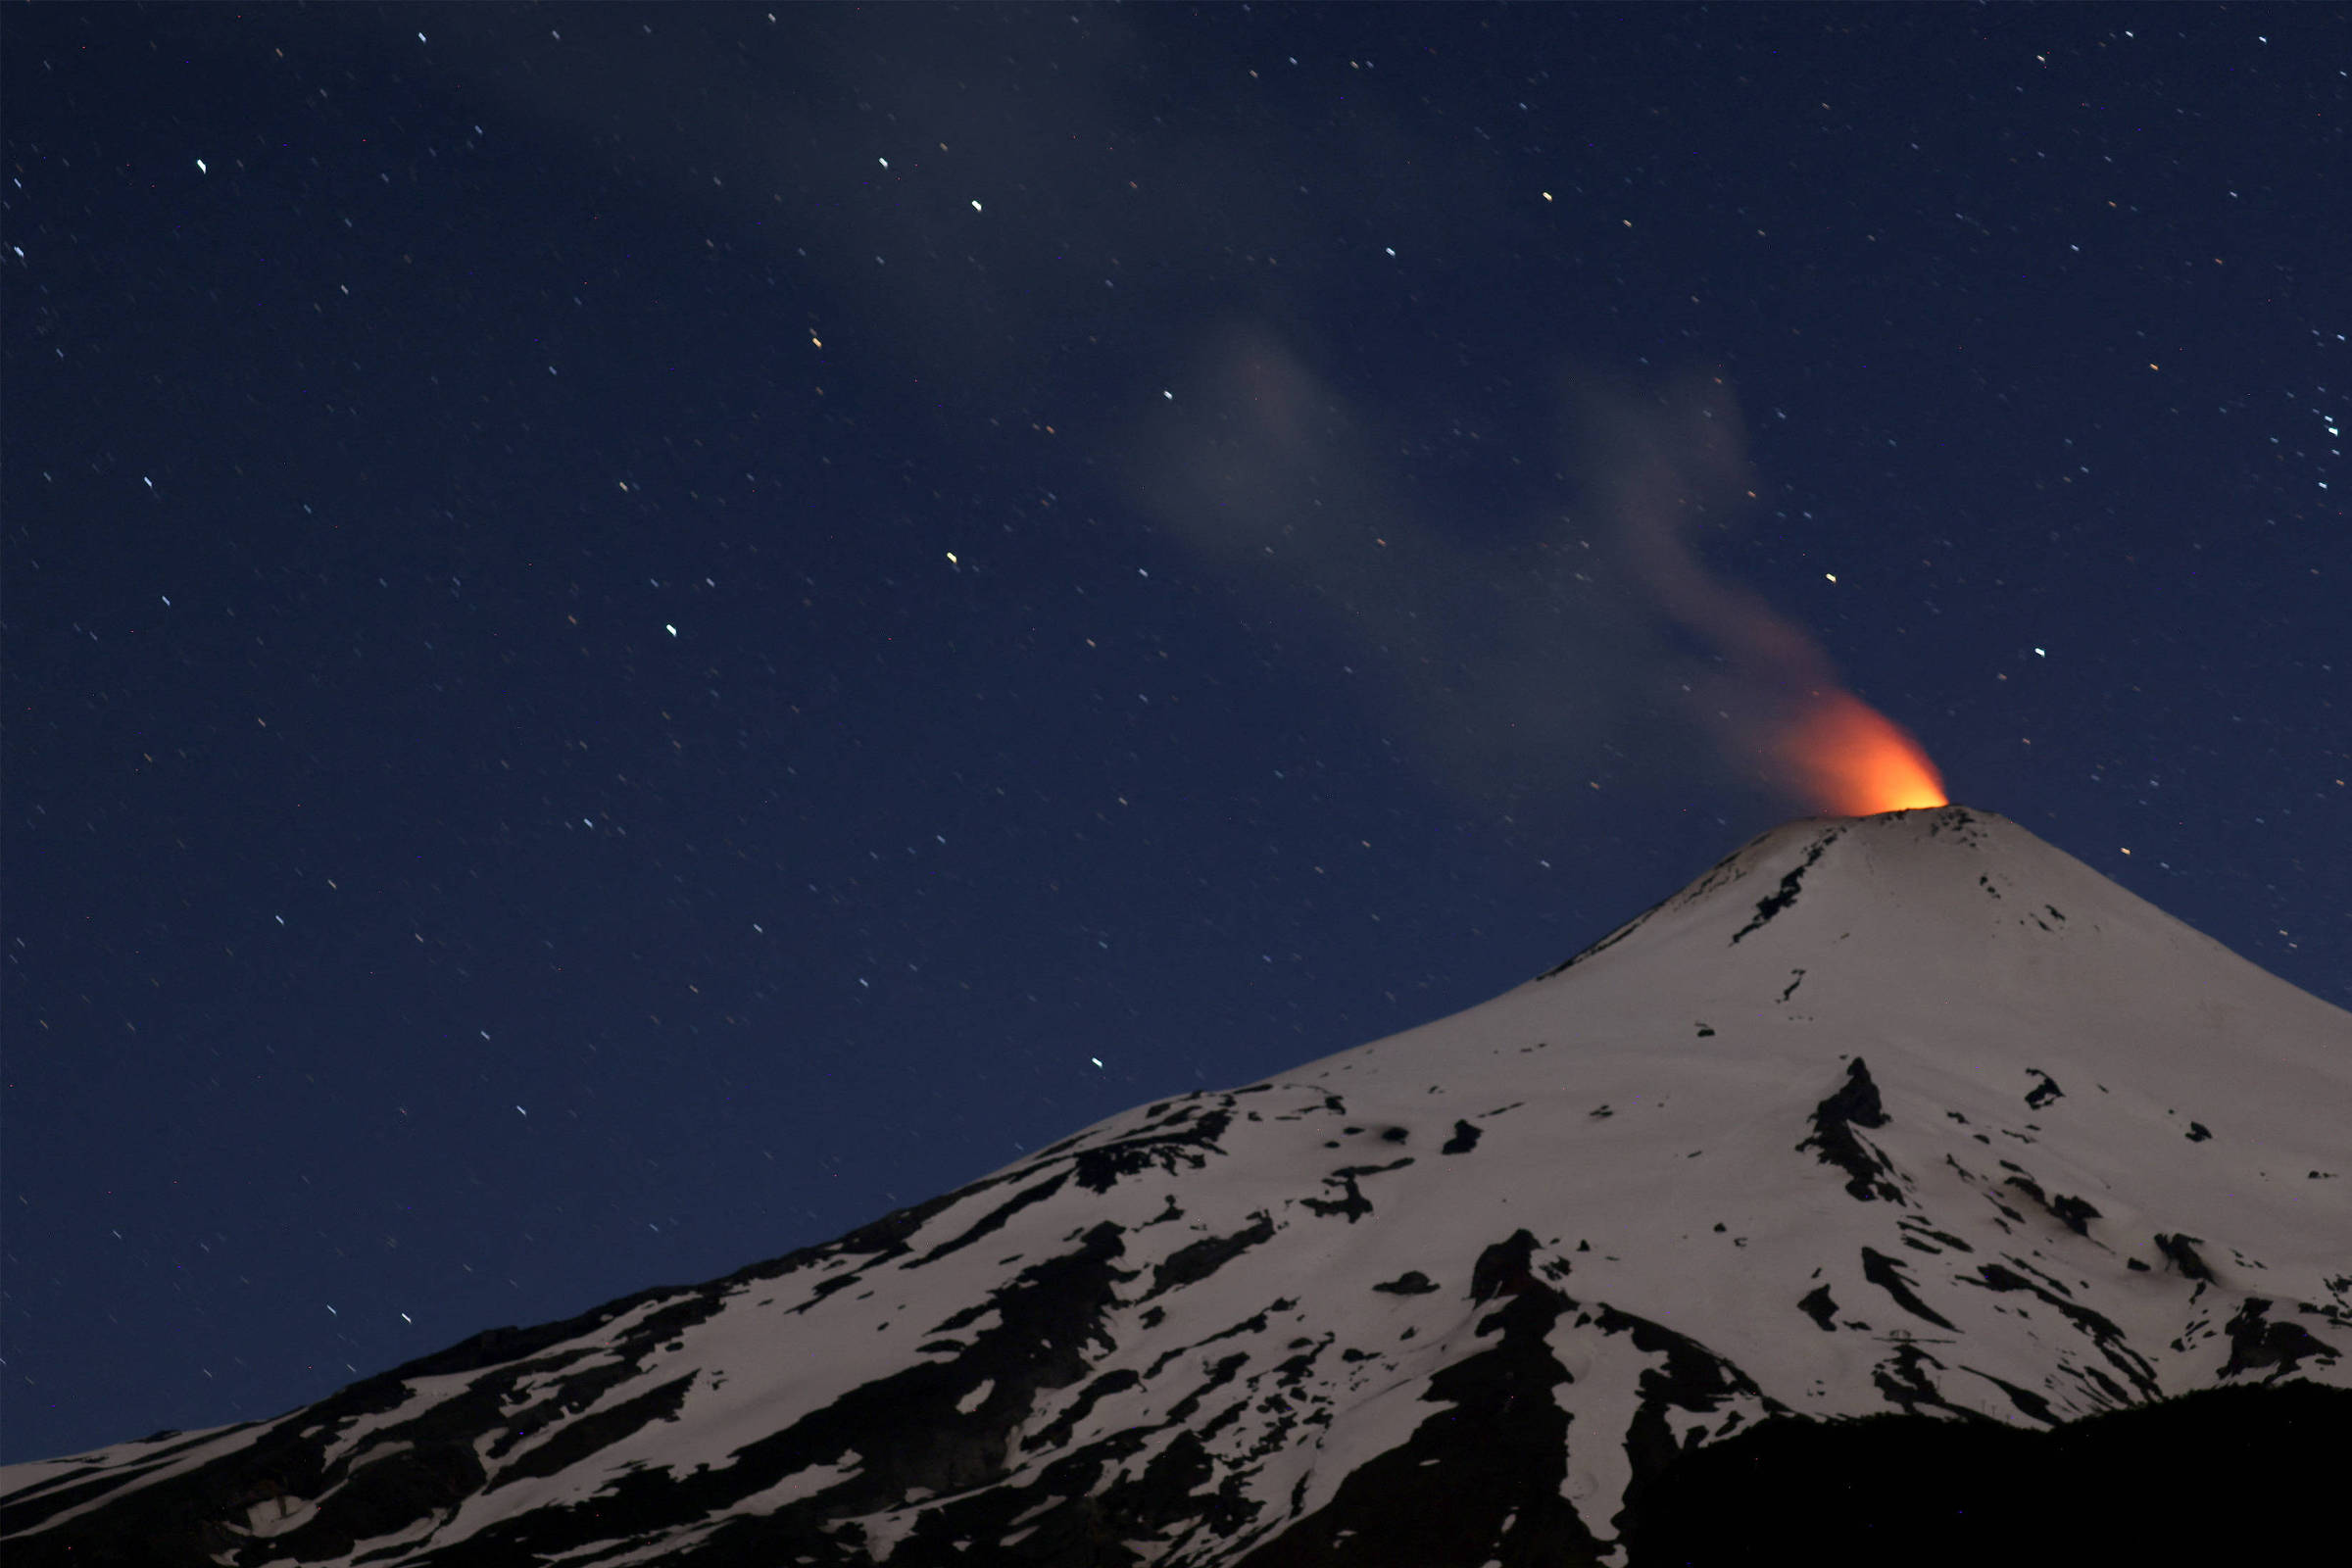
pixel 1599 641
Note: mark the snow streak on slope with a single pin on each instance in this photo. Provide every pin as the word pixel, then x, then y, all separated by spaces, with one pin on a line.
pixel 1899 1113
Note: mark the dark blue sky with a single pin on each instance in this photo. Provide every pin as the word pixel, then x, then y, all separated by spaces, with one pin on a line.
pixel 636 634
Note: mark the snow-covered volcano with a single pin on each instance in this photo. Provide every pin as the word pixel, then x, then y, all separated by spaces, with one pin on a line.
pixel 1908 1112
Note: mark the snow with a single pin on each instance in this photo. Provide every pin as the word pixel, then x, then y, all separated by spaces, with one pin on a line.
pixel 2038 1040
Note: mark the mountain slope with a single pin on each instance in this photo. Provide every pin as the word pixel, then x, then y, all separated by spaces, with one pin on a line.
pixel 1898 1113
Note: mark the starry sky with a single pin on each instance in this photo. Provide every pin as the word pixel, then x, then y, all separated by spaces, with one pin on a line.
pixel 636 634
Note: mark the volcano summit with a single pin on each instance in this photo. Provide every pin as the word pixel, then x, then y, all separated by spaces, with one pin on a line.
pixel 1907 1115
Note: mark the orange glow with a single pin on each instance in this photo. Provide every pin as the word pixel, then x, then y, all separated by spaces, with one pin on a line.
pixel 1849 759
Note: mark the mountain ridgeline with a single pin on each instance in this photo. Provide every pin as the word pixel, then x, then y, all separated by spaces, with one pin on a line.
pixel 1901 1190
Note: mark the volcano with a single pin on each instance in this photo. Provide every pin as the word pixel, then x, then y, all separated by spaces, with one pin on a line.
pixel 1901 1185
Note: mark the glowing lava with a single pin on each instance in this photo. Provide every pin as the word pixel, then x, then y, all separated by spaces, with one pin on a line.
pixel 1850 760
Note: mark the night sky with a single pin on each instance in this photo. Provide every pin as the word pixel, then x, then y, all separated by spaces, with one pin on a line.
pixel 637 634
